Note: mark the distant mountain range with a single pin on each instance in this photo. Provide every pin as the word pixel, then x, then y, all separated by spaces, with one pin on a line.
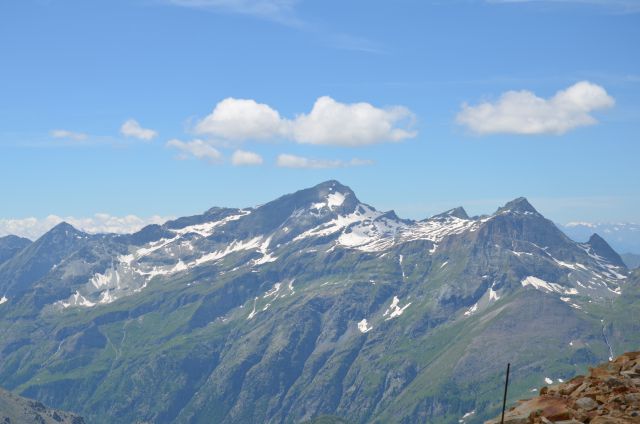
pixel 623 237
pixel 313 304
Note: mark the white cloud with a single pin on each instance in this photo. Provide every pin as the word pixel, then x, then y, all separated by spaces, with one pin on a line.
pixel 329 123
pixel 198 149
pixel 73 135
pixel 242 119
pixel 522 112
pixel 356 124
pixel 131 128
pixel 293 161
pixel 99 223
pixel 242 157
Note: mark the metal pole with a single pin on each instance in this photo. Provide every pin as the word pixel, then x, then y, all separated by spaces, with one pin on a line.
pixel 504 400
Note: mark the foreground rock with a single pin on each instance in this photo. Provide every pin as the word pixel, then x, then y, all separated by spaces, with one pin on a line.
pixel 610 394
pixel 18 410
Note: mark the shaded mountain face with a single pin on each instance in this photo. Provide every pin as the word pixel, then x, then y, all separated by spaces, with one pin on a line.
pixel 313 304
pixel 10 246
pixel 597 246
pixel 16 409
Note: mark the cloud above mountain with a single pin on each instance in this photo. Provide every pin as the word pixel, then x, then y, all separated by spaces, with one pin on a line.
pixel 33 228
pixel 242 119
pixel 328 123
pixel 525 113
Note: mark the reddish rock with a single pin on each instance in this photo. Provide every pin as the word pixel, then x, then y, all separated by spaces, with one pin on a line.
pixel 609 395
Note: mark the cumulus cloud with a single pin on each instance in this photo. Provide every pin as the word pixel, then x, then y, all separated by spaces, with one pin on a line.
pixel 522 112
pixel 73 135
pixel 242 119
pixel 328 123
pixel 243 157
pixel 356 124
pixel 198 149
pixel 33 228
pixel 132 128
pixel 293 161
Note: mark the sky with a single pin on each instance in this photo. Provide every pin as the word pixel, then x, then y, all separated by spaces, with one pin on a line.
pixel 114 114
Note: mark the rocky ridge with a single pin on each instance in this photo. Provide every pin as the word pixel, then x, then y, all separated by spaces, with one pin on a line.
pixel 18 410
pixel 610 394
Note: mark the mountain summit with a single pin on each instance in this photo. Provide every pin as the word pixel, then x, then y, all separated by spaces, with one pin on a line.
pixel 600 247
pixel 312 304
pixel 519 205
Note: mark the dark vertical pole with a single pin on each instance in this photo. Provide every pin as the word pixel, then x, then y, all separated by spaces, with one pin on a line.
pixel 504 400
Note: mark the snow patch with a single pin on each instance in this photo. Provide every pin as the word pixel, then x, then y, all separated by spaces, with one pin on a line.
pixel 493 295
pixel 207 229
pixel 234 246
pixel 471 310
pixel 468 414
pixel 273 292
pixel 394 310
pixel 400 259
pixel 540 284
pixel 364 327
pixel 371 231
pixel 253 312
pixel 335 199
pixel 78 300
pixel 518 254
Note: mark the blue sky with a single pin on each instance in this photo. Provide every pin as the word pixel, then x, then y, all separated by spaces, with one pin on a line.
pixel 419 106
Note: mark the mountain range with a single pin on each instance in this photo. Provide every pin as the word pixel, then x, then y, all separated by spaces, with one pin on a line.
pixel 313 304
pixel 624 237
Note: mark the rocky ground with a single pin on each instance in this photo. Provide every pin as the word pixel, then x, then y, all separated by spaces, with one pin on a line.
pixel 610 394
pixel 16 409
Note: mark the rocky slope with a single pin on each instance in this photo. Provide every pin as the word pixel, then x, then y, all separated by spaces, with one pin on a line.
pixel 313 304
pixel 18 410
pixel 10 246
pixel 610 394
